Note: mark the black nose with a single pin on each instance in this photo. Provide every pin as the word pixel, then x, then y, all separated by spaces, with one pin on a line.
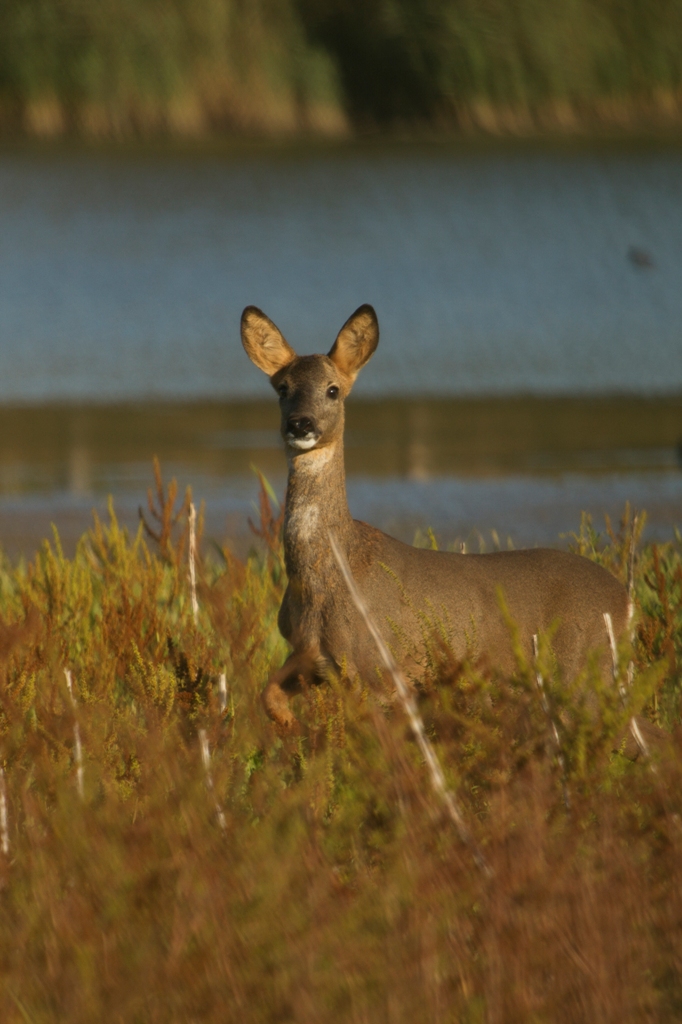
pixel 300 426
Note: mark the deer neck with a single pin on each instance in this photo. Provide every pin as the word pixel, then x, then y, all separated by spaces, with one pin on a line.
pixel 315 504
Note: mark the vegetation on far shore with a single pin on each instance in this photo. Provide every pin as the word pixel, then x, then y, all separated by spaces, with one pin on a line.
pixel 122 69
pixel 315 877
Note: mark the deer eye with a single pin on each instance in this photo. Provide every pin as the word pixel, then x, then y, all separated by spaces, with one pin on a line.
pixel 333 391
pixel 282 391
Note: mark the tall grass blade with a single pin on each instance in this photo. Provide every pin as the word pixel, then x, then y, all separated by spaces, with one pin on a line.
pixel 4 823
pixel 77 748
pixel 192 560
pixel 415 719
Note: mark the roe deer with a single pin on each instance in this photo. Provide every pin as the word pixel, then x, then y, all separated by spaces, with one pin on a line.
pixel 400 583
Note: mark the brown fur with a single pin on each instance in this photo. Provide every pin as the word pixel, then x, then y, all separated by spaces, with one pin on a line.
pixel 402 584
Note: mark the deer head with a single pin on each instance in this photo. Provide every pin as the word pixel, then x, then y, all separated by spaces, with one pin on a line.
pixel 311 389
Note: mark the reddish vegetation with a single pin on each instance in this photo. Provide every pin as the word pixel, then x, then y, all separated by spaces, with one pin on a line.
pixel 338 889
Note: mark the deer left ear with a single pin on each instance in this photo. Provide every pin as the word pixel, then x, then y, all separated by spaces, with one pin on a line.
pixel 264 342
pixel 356 341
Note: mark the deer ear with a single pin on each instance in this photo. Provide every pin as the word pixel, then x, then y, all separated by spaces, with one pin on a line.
pixel 356 341
pixel 264 343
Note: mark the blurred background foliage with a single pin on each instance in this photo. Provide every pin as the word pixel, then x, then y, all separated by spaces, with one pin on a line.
pixel 119 68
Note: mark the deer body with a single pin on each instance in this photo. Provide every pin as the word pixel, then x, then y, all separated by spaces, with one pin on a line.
pixel 408 589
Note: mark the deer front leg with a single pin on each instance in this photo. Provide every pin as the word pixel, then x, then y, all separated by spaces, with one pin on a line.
pixel 300 668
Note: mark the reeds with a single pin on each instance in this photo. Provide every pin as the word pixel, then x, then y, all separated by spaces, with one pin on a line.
pixel 186 68
pixel 282 67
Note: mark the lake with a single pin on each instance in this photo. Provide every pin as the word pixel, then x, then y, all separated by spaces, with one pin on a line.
pixel 530 303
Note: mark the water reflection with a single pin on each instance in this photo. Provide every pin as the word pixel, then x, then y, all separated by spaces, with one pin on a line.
pixel 521 466
pixel 94 449
pixel 79 476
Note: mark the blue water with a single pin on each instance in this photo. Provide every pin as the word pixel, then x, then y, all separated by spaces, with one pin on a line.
pixel 491 270
pixel 494 270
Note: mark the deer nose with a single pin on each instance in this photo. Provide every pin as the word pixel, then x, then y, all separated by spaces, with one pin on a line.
pixel 300 426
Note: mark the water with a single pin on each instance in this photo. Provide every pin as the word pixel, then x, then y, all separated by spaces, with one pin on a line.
pixel 491 271
pixel 495 272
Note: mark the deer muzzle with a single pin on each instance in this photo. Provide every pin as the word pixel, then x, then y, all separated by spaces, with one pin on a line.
pixel 301 432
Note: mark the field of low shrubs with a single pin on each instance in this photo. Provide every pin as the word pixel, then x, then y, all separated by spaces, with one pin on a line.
pixel 316 877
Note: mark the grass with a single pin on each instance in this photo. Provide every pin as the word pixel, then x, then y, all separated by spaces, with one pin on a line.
pixel 338 889
pixel 121 69
pixel 135 68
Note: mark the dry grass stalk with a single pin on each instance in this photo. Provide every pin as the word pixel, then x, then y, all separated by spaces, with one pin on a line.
pixel 222 691
pixel 634 728
pixel 631 567
pixel 78 750
pixel 4 826
pixel 206 758
pixel 552 725
pixel 192 560
pixel 415 719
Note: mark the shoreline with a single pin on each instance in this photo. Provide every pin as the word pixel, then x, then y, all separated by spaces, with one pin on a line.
pixel 645 120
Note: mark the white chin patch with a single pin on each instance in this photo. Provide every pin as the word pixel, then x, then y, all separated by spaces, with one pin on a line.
pixel 302 443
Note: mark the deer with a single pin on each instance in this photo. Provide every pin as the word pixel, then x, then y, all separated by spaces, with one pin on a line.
pixel 543 588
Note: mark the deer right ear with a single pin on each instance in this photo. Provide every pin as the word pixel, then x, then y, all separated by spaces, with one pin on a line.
pixel 356 341
pixel 264 343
